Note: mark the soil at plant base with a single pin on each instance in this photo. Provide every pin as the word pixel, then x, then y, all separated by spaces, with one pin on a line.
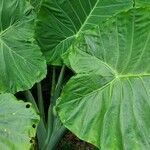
pixel 71 142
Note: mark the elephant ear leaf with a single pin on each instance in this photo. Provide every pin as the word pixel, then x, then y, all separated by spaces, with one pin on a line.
pixel 108 102
pixel 18 122
pixel 21 61
pixel 61 21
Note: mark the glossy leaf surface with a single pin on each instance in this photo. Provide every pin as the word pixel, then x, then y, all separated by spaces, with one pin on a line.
pixel 108 102
pixel 18 123
pixel 21 61
pixel 61 21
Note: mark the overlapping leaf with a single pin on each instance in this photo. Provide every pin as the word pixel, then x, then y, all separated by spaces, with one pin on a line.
pixel 18 123
pixel 61 21
pixel 108 102
pixel 21 61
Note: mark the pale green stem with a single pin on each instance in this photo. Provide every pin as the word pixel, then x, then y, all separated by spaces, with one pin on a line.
pixel 40 101
pixel 51 117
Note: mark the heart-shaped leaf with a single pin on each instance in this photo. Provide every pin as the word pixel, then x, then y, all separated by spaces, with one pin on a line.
pixel 21 61
pixel 61 21
pixel 18 122
pixel 108 102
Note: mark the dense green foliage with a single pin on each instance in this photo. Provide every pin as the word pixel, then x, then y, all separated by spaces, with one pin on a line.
pixel 60 22
pixel 107 102
pixel 106 43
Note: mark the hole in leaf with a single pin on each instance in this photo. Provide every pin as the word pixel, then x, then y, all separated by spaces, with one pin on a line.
pixel 34 126
pixel 31 141
pixel 28 106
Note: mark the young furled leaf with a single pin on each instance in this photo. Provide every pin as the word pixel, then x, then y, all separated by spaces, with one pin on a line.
pixel 108 103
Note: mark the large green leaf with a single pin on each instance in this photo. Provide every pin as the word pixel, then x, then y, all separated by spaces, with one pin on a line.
pixel 108 102
pixel 18 123
pixel 21 61
pixel 61 21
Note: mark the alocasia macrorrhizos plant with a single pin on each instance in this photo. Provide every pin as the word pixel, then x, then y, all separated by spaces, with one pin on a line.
pixel 107 102
pixel 106 44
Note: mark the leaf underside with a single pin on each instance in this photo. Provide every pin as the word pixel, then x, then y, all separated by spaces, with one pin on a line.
pixel 108 102
pixel 18 123
pixel 21 61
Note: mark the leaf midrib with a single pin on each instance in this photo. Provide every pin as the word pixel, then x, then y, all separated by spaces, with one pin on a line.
pixel 10 50
pixel 109 84
pixel 3 32
pixel 82 26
